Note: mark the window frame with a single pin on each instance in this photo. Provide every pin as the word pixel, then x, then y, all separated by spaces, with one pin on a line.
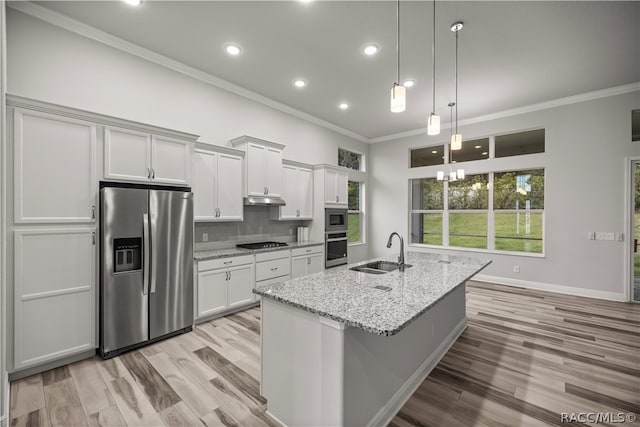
pixel 360 212
pixel 362 159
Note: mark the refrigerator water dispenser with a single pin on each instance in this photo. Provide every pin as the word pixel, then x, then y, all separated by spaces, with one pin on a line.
pixel 127 254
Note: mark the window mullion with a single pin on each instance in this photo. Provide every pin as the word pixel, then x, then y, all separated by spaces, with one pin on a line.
pixel 491 232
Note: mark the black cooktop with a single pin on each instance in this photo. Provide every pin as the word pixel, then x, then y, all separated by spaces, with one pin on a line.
pixel 261 245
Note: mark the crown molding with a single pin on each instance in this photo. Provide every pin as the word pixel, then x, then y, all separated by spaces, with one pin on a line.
pixel 69 24
pixel 589 96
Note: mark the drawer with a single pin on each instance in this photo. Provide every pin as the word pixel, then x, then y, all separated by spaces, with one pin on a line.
pixel 212 264
pixel 275 281
pixel 309 250
pixel 274 268
pixel 267 256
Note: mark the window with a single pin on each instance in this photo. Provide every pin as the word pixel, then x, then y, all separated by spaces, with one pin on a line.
pixel 477 149
pixel 635 125
pixel 516 144
pixel 355 213
pixel 459 214
pixel 349 159
pixel 468 203
pixel 427 156
pixel 518 201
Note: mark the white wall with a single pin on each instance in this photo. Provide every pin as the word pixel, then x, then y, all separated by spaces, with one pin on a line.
pixel 586 146
pixel 54 65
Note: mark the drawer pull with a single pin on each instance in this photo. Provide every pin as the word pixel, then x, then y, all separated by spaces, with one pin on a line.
pixel 228 262
pixel 308 250
pixel 274 268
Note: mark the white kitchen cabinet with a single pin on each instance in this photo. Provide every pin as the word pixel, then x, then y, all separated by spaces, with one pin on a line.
pixel 54 168
pixel 297 191
pixel 217 184
pixel 131 155
pixel 263 166
pixel 54 294
pixel 335 187
pixel 224 284
pixel 307 260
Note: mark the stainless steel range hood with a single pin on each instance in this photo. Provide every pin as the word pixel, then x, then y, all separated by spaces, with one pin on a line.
pixel 263 201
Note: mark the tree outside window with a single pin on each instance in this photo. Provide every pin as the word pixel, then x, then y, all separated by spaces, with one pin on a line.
pixel 355 216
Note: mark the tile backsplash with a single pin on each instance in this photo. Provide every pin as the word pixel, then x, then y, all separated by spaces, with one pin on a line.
pixel 257 226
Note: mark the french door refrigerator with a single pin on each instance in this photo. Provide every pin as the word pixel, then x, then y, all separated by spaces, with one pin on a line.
pixel 146 265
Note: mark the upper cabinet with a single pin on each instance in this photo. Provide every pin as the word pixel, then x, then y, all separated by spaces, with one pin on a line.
pixel 131 155
pixel 54 168
pixel 297 191
pixel 335 186
pixel 217 183
pixel 263 166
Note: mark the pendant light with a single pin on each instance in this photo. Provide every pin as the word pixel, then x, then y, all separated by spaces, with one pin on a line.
pixel 433 122
pixel 456 139
pixel 453 175
pixel 398 92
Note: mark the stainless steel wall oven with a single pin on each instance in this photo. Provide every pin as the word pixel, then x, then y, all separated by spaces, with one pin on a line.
pixel 335 237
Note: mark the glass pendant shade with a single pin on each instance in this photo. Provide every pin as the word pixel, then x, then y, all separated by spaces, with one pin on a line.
pixel 433 124
pixel 440 175
pixel 460 173
pixel 398 98
pixel 452 176
pixel 456 141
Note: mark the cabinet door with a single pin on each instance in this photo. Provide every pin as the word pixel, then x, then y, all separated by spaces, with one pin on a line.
pixel 54 294
pixel 298 267
pixel 256 170
pixel 229 181
pixel 341 187
pixel 212 292
pixel 289 192
pixel 205 175
pixel 54 168
pixel 305 193
pixel 240 285
pixel 274 172
pixel 170 161
pixel 127 154
pixel 315 263
pixel 330 195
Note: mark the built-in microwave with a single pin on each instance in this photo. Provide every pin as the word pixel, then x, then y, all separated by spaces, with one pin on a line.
pixel 335 219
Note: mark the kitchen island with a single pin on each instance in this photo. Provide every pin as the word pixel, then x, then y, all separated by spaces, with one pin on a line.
pixel 343 347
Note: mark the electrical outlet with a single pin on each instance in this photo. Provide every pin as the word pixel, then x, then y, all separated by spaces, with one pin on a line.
pixel 516 269
pixel 620 237
pixel 591 235
pixel 205 237
pixel 602 235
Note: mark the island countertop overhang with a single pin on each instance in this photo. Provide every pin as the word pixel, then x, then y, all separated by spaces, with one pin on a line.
pixel 350 297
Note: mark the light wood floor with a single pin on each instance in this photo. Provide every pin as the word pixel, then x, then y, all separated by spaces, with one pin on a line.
pixel 525 358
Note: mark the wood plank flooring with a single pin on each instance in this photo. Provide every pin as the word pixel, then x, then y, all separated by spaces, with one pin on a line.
pixel 525 358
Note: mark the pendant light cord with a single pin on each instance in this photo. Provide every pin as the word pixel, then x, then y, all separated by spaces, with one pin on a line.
pixel 433 57
pixel 457 81
pixel 398 41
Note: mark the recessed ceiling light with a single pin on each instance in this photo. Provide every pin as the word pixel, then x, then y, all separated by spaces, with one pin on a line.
pixel 484 153
pixel 478 146
pixel 233 49
pixel 299 83
pixel 370 49
pixel 343 106
pixel 408 83
pixel 133 2
pixel 434 151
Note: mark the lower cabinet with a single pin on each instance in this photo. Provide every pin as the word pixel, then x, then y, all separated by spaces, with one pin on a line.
pixel 54 294
pixel 224 284
pixel 306 261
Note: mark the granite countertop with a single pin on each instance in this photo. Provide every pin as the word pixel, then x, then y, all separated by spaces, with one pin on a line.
pixel 349 296
pixel 228 252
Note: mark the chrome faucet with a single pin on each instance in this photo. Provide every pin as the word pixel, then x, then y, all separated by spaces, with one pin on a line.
pixel 401 257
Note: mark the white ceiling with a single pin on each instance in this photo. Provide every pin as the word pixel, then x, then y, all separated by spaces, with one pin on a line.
pixel 512 54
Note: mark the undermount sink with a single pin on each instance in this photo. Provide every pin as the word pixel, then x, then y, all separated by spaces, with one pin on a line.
pixel 379 267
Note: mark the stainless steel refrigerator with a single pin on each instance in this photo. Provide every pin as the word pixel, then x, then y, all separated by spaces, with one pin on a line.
pixel 146 265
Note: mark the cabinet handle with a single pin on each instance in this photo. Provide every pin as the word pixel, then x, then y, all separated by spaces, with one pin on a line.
pixel 93 211
pixel 229 275
pixel 297 212
pixel 265 191
pixel 153 174
pixel 274 268
pixel 228 262
pixel 149 173
pixel 93 237
pixel 337 199
pixel 309 261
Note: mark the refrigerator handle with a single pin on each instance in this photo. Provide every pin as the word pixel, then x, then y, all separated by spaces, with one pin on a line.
pixel 153 227
pixel 145 270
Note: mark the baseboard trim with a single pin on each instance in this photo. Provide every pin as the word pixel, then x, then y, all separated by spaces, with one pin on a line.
pixel 550 287
pixel 400 397
pixel 36 369
pixel 274 418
